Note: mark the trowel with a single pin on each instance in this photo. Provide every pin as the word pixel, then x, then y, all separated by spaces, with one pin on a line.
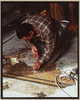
pixel 15 60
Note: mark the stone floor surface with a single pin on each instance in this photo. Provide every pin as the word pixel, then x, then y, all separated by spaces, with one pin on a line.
pixel 18 88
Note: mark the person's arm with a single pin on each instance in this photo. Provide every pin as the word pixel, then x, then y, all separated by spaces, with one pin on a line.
pixel 34 49
pixel 49 41
pixel 37 64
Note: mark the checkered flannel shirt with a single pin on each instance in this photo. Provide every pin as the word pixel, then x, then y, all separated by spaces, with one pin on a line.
pixel 44 30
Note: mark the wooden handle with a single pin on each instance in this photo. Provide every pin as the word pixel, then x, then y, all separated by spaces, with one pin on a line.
pixel 10 56
pixel 23 59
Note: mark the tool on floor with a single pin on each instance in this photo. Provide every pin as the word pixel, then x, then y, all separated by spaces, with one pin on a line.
pixel 35 55
pixel 5 85
pixel 5 57
pixel 15 60
pixel 41 94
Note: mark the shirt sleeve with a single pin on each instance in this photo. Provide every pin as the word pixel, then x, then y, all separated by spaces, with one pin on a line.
pixel 49 41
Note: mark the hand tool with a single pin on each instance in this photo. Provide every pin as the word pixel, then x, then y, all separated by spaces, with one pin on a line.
pixel 5 57
pixel 35 55
pixel 15 60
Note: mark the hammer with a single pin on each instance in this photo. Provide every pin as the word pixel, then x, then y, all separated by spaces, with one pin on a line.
pixel 5 57
pixel 15 60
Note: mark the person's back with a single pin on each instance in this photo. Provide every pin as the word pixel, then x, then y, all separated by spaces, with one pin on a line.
pixel 47 30
pixel 43 24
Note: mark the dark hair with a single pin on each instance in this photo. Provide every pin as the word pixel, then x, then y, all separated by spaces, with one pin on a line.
pixel 23 30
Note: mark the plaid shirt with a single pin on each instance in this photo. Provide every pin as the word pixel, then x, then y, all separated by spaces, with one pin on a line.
pixel 44 30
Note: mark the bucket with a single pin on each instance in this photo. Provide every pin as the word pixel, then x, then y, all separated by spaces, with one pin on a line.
pixel 64 24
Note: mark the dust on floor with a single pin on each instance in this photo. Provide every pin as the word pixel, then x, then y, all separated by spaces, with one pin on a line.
pixel 67 62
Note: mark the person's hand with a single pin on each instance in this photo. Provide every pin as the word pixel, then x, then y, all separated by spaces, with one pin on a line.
pixel 34 49
pixel 24 38
pixel 37 65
